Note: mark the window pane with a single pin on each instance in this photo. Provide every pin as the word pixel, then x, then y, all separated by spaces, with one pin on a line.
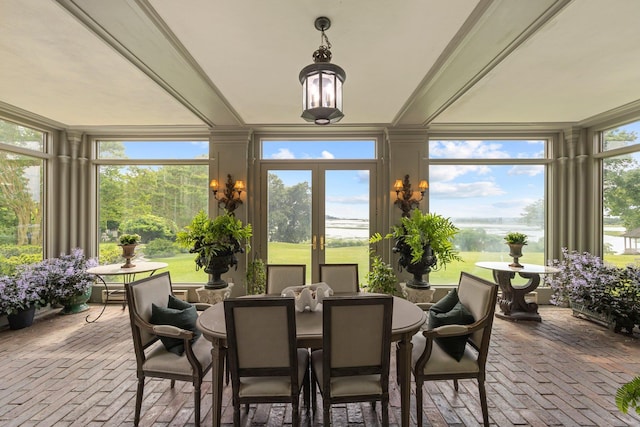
pixel 326 150
pixel 20 136
pixel 621 216
pixel 487 149
pixel 486 202
pixel 621 136
pixel 155 202
pixel 153 149
pixel 21 183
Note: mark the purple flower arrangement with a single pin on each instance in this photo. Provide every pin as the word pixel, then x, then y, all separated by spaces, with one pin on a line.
pixel 585 279
pixel 49 281
pixel 18 294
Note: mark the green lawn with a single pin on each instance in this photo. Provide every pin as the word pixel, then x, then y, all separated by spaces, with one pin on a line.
pixel 182 266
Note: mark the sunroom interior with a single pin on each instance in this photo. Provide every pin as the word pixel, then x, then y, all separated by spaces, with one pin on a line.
pixel 513 112
pixel 434 88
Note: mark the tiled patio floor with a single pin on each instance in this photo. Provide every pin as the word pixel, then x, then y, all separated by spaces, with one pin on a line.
pixel 63 371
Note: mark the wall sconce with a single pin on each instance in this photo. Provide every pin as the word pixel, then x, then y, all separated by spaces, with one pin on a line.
pixel 230 199
pixel 404 194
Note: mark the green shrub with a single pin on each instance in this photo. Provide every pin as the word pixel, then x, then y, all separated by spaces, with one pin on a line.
pixel 160 248
pixel 256 277
pixel 110 253
pixel 150 227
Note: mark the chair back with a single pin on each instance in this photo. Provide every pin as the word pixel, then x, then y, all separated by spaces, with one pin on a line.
pixel 280 276
pixel 342 278
pixel 356 337
pixel 261 333
pixel 141 294
pixel 479 296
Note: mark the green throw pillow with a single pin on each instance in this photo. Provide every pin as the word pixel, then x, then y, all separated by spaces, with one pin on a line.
pixel 181 318
pixel 446 303
pixel 177 303
pixel 458 315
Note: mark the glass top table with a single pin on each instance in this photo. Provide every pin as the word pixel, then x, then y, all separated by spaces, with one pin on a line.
pixel 128 275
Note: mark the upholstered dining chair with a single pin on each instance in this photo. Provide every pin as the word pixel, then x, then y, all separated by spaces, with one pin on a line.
pixel 281 276
pixel 342 278
pixel 456 351
pixel 353 364
pixel 165 339
pixel 266 365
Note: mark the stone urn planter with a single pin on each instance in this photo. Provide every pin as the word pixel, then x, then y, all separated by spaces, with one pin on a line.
pixel 424 242
pixel 417 269
pixel 217 266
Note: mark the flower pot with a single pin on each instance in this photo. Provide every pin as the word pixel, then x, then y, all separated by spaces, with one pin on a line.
pixel 418 269
pixel 128 252
pixel 515 251
pixel 217 266
pixel 22 318
pixel 77 303
pixel 581 311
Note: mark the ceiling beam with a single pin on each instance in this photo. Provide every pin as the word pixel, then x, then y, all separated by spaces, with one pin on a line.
pixel 134 30
pixel 494 30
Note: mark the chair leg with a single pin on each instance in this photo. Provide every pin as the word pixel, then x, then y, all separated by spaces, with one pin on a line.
pixel 326 412
pixel 246 408
pixel 226 368
pixel 236 414
pixel 173 383
pixel 419 402
pixel 455 385
pixel 196 393
pixel 398 365
pixel 313 392
pixel 483 402
pixel 384 402
pixel 295 415
pixel 306 389
pixel 139 393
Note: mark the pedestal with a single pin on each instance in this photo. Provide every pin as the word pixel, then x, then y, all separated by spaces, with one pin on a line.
pixel 213 296
pixel 417 296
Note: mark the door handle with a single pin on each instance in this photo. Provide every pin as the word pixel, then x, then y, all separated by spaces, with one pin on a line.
pixel 322 243
pixel 313 242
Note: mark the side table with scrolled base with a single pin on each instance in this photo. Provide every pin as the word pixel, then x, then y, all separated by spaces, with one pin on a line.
pixel 512 303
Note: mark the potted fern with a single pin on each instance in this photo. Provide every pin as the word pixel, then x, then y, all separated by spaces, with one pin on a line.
pixel 424 242
pixel 215 241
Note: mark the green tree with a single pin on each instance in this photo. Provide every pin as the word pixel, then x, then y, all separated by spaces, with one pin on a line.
pixel 289 211
pixel 534 213
pixel 17 194
pixel 621 182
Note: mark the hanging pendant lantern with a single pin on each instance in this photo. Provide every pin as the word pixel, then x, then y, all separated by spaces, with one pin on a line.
pixel 322 83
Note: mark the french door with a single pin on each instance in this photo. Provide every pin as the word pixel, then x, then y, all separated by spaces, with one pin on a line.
pixel 314 213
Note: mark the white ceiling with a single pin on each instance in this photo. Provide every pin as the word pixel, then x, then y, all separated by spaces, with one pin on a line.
pixel 217 63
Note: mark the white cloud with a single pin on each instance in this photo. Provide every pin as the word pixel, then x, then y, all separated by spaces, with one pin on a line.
pixel 465 190
pixel 362 176
pixel 467 150
pixel 283 153
pixel 528 170
pixel 349 200
pixel 444 173
pixel 327 155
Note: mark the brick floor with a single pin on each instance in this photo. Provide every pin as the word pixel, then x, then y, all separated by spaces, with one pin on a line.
pixel 63 371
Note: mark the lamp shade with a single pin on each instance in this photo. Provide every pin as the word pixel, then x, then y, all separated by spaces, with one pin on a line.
pixel 322 93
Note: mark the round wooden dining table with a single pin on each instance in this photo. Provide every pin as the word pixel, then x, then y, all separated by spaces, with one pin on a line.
pixel 407 320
